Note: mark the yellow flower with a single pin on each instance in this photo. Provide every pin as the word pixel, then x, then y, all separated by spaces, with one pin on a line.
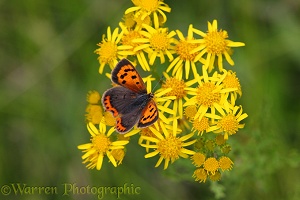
pixel 229 121
pixel 209 94
pixel 110 51
pixel 140 19
pixel 200 175
pixel 118 155
pixel 180 89
pixel 190 111
pixel 93 97
pixel 184 60
pixel 156 42
pixel 187 107
pixel 128 36
pixel 135 21
pixel 201 125
pixel 150 7
pixel 167 144
pixel 214 44
pixel 127 40
pixel 94 113
pixel 215 177
pixel 148 133
pixel 211 165
pixel 108 119
pixel 225 163
pixel 100 146
pixel 231 81
pixel 198 159
pixel 94 110
pixel 129 21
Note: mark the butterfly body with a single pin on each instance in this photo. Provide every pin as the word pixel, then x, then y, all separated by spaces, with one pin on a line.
pixel 129 102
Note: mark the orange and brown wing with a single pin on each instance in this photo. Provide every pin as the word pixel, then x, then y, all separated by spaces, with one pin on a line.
pixel 149 115
pixel 125 74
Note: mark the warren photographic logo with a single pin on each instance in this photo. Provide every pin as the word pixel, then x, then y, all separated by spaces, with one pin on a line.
pixel 70 189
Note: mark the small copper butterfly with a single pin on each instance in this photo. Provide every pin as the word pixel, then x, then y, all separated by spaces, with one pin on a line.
pixel 129 102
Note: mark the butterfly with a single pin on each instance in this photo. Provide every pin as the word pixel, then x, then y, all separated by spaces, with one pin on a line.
pixel 129 102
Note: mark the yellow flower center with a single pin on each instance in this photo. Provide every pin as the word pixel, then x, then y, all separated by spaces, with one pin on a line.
pixel 177 87
pixel 229 124
pixel 183 49
pixel 200 175
pixel 127 39
pixel 211 165
pixel 225 163
pixel 216 42
pixel 190 111
pixel 198 159
pixel 170 148
pixel 101 143
pixel 231 81
pixel 201 125
pixel 148 5
pixel 159 41
pixel 107 51
pixel 206 95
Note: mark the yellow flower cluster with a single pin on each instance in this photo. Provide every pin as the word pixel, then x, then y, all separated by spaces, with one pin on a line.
pixel 196 100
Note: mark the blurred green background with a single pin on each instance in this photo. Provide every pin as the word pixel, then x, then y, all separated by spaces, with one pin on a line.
pixel 47 65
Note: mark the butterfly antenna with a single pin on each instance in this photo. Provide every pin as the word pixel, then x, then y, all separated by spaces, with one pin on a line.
pixel 160 81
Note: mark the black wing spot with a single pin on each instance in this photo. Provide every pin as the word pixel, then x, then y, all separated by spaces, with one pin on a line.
pixel 123 82
pixel 128 70
pixel 134 77
pixel 123 75
pixel 151 110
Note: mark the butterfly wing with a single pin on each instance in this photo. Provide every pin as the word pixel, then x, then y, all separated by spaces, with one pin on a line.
pixel 129 102
pixel 149 115
pixel 125 74
pixel 118 99
pixel 142 111
pixel 125 105
pixel 127 121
